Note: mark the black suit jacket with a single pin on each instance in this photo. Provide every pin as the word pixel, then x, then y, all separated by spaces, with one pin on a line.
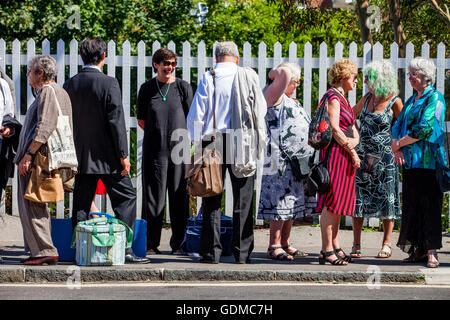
pixel 98 122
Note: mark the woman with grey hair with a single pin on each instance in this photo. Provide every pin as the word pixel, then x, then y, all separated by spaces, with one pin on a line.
pixel 376 184
pixel 40 122
pixel 418 145
pixel 283 197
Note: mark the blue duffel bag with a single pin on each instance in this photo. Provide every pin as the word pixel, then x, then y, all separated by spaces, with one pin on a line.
pixel 191 241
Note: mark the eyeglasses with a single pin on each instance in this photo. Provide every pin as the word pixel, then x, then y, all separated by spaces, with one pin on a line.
pixel 297 82
pixel 169 63
pixel 413 75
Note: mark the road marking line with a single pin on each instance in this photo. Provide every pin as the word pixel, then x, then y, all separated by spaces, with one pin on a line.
pixel 216 284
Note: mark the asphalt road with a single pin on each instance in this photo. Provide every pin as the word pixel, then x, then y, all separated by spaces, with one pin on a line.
pixel 200 291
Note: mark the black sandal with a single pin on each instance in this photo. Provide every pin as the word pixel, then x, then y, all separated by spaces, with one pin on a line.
pixel 281 256
pixel 346 258
pixel 323 258
pixel 296 253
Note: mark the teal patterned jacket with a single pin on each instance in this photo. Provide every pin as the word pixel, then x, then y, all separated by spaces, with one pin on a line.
pixel 424 121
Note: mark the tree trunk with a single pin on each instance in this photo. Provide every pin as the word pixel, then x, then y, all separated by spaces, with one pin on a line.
pixel 361 9
pixel 400 38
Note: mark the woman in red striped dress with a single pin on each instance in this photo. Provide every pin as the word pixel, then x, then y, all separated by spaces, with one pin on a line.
pixel 342 162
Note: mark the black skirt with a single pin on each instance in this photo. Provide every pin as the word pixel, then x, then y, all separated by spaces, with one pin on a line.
pixel 421 226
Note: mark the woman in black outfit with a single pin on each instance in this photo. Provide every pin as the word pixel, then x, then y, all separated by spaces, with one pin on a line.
pixel 162 106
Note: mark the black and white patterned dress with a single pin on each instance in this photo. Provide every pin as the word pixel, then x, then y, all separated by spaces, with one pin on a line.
pixel 282 197
pixel 377 195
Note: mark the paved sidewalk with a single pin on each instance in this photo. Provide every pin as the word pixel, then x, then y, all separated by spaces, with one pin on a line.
pixel 167 267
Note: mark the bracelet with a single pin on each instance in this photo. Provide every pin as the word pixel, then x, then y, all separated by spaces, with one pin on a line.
pixel 29 153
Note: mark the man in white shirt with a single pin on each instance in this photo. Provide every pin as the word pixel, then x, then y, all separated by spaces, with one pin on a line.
pixel 229 106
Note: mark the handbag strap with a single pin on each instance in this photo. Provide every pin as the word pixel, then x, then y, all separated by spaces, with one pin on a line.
pixel 213 73
pixel 56 99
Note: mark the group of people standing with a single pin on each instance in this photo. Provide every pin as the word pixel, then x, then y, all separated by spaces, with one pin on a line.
pixel 363 162
pixel 363 157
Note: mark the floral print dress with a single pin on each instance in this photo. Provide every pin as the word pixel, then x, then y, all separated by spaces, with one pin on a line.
pixel 282 197
pixel 377 194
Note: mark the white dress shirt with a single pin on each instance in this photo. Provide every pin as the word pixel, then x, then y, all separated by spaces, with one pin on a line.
pixel 6 100
pixel 200 117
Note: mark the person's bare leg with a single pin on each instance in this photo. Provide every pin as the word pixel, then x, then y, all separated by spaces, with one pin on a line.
pixel 328 223
pixel 357 224
pixel 386 250
pixel 275 237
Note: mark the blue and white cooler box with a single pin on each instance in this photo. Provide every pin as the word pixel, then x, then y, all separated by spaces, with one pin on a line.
pixel 101 242
pixel 191 242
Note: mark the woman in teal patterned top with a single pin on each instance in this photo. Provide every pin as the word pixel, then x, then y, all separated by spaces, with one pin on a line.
pixel 418 143
pixel 377 192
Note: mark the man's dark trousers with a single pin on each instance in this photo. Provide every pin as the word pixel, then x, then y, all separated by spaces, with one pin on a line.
pixel 120 191
pixel 243 239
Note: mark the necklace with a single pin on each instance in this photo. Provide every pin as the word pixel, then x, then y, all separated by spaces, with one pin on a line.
pixel 162 95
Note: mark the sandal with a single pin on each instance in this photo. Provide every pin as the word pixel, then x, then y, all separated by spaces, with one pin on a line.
pixel 346 258
pixel 356 253
pixel 323 258
pixel 382 254
pixel 431 263
pixel 296 253
pixel 282 256
pixel 416 257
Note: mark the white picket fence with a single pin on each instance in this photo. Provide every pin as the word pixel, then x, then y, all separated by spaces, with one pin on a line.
pixel 260 61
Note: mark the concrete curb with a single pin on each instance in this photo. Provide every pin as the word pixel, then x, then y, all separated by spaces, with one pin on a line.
pixel 114 274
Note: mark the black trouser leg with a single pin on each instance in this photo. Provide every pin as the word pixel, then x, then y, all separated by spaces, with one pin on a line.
pixel 122 196
pixel 243 240
pixel 154 186
pixel 210 246
pixel 178 204
pixel 84 192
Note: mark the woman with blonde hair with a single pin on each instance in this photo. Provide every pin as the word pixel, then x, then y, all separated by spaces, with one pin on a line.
pixel 342 162
pixel 377 192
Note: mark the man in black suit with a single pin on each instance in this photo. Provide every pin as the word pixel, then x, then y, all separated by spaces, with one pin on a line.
pixel 100 139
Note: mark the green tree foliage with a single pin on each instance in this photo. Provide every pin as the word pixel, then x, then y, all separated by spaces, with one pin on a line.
pixel 132 20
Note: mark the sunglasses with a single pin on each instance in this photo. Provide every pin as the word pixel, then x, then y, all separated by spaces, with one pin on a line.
pixel 169 63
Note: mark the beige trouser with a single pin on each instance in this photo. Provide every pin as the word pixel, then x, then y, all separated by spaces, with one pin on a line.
pixel 35 218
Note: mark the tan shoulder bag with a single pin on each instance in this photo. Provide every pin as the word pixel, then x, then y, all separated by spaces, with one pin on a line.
pixel 204 175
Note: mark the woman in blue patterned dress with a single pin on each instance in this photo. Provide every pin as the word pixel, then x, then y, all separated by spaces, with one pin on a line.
pixel 282 197
pixel 377 193
pixel 418 139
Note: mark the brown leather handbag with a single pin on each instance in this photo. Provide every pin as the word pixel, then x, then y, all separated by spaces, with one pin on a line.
pixel 204 173
pixel 44 186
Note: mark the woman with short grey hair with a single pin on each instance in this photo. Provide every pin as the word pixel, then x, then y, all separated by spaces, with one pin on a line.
pixel 41 120
pixel 418 145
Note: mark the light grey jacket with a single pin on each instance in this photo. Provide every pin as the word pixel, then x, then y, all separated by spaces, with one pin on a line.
pixel 248 123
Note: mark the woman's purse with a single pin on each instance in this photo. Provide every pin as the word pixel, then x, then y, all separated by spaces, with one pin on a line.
pixel 44 185
pixel 370 162
pixel 318 181
pixel 61 147
pixel 204 176
pixel 320 134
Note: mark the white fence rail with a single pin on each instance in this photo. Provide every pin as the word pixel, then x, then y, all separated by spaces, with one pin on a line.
pixel 258 60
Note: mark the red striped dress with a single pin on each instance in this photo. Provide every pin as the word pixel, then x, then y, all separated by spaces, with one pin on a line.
pixel 340 199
